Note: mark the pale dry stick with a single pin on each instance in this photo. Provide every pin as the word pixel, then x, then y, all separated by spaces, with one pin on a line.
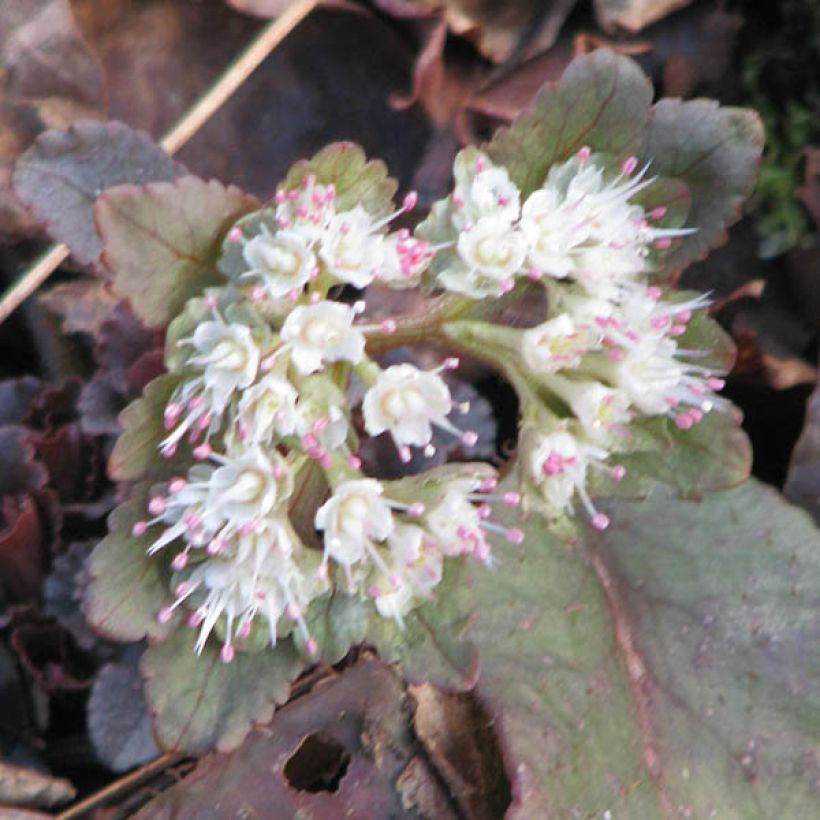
pixel 213 99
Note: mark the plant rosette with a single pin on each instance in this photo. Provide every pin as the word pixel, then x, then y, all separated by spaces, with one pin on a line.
pixel 254 527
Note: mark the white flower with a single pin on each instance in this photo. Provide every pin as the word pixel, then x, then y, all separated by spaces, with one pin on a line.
pixel 267 408
pixel 405 401
pixel 416 570
pixel 405 259
pixel 659 383
pixel 248 487
pixel 266 574
pixel 482 189
pixel 418 561
pixel 353 518
pixel 283 262
pixel 394 603
pixel 329 428
pixel 491 248
pixel 306 211
pixel 214 504
pixel 558 464
pixel 490 254
pixel 322 333
pixel 553 233
pixel 557 344
pixel 583 224
pixel 228 357
pixel 603 271
pixel 455 522
pixel 602 411
pixel 350 249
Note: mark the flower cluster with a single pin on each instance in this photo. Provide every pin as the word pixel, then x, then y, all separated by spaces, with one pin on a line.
pixel 262 402
pixel 609 349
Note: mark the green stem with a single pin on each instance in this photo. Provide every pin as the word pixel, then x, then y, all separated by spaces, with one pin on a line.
pixel 423 327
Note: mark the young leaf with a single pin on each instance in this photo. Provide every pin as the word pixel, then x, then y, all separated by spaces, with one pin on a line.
pixel 200 703
pixel 602 101
pixel 668 666
pixel 128 588
pixel 161 241
pixel 712 455
pixel 357 180
pixel 136 453
pixel 62 174
pixel 432 645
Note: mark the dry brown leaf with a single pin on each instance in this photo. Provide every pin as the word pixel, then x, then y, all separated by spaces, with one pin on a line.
pixel 48 79
pixel 454 732
pixel 28 788
pixel 633 15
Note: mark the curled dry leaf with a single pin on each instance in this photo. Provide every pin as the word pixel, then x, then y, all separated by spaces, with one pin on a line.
pixel 499 30
pixel 48 79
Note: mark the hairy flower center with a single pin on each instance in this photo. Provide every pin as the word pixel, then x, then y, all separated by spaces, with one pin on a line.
pixel 227 355
pixel 319 333
pixel 283 260
pixel 402 402
pixel 353 515
pixel 491 252
pixel 249 487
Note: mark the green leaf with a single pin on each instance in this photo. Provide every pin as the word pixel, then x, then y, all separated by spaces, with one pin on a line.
pixel 716 152
pixel 666 667
pixel 232 261
pixel 602 101
pixel 128 588
pixel 712 455
pixel 136 453
pixel 337 622
pixel 199 702
pixel 161 241
pixel 429 646
pixel 60 177
pixel 357 181
pixel 432 646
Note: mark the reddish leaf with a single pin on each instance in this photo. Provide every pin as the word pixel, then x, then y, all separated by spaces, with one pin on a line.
pixel 21 547
pixel 49 655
